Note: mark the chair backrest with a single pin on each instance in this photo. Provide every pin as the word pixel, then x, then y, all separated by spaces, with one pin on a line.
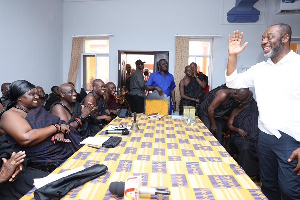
pixel 157 104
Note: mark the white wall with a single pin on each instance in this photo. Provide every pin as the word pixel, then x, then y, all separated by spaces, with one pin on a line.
pixel 145 25
pixel 36 35
pixel 31 41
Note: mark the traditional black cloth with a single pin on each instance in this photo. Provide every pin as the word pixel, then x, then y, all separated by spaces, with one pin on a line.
pixel 221 110
pixel 102 107
pixel 90 125
pixel 46 155
pixel 52 98
pixel 24 182
pixel 247 119
pixel 193 90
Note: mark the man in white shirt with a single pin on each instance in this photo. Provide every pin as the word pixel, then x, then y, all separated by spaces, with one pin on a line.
pixel 277 87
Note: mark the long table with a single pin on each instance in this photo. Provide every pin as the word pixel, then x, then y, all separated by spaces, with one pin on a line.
pixel 168 154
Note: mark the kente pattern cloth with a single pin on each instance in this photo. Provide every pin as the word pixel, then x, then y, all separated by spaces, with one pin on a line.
pixel 90 125
pixel 247 120
pixel 222 110
pixel 47 151
pixel 193 90
pixel 167 154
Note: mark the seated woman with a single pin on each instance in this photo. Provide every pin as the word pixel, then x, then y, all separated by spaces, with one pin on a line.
pixel 47 140
pixel 16 179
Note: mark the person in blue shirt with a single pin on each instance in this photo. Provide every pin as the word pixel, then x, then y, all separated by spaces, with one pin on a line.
pixel 163 82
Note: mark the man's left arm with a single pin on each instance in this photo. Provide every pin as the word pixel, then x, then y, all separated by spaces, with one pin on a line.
pixel 296 154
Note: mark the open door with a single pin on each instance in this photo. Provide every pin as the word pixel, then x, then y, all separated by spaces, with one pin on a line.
pixel 126 57
pixel 121 69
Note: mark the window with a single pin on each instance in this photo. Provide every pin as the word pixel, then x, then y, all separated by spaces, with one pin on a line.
pixel 95 61
pixel 200 52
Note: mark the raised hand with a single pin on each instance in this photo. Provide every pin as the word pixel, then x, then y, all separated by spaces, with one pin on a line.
pixel 234 43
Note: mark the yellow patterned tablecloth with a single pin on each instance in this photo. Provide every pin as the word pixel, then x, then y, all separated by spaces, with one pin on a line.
pixel 186 160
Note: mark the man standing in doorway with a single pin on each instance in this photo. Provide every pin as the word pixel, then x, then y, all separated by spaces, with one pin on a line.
pixel 163 82
pixel 137 88
pixel 279 132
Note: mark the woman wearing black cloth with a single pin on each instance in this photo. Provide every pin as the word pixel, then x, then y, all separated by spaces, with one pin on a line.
pixel 47 140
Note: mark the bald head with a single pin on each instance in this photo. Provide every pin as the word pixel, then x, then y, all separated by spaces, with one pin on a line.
pixel 67 93
pixel 110 88
pixel 99 87
pixel 243 94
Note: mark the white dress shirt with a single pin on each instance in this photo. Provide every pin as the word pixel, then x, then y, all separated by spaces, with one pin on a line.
pixel 277 89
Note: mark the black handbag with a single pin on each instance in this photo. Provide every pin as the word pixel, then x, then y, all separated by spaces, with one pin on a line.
pixel 59 188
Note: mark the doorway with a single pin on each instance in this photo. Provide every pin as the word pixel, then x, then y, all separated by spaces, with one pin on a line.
pixel 150 58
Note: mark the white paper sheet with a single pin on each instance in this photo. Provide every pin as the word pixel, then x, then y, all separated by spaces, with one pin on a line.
pixel 94 140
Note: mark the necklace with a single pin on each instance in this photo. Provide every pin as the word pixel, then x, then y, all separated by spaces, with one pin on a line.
pixel 20 108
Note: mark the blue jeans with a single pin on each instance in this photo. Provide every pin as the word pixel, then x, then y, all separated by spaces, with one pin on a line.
pixel 276 173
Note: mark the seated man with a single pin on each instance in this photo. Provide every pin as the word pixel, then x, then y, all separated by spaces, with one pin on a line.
pixel 47 140
pixel 1 106
pixel 190 90
pixel 41 94
pixel 242 124
pixel 96 98
pixel 16 179
pixel 163 82
pixel 218 103
pixel 112 100
pixel 69 110
pixel 52 97
pixel 4 98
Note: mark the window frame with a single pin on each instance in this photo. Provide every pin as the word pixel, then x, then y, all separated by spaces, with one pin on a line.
pixel 96 55
pixel 210 56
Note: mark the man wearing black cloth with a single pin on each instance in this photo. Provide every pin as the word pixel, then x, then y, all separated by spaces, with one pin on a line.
pixel 69 110
pixel 190 89
pixel 243 123
pixel 4 99
pixel 96 98
pixel 217 104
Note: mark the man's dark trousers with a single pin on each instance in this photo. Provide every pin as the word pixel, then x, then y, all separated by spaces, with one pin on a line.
pixel 276 173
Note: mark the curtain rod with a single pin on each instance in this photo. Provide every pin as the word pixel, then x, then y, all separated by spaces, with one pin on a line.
pixel 98 35
pixel 177 35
